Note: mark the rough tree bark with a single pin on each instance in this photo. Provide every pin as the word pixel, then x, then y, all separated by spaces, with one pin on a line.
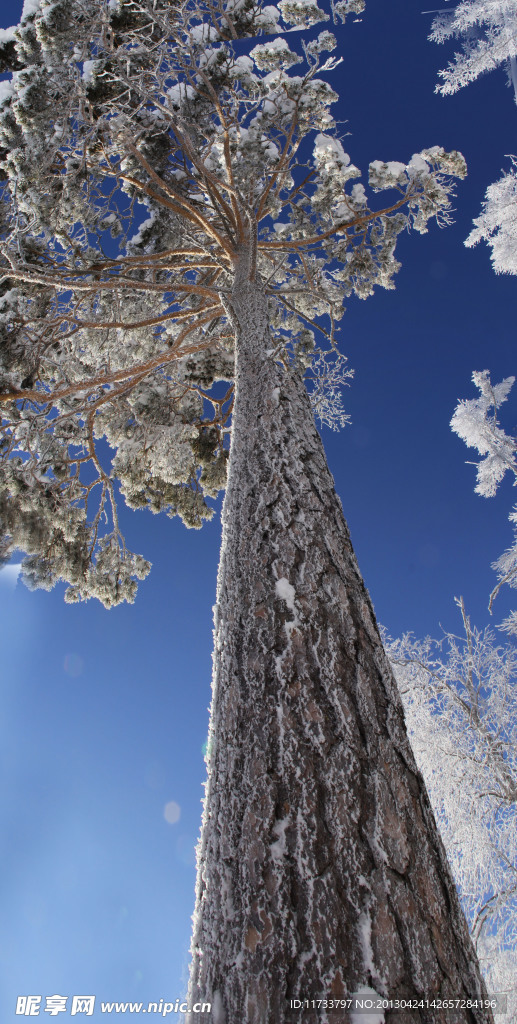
pixel 320 867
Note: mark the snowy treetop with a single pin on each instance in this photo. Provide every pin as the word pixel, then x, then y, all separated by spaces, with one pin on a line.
pixel 141 157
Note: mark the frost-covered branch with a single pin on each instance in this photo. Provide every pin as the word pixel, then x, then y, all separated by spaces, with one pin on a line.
pixel 497 223
pixel 475 421
pixel 327 376
pixel 488 33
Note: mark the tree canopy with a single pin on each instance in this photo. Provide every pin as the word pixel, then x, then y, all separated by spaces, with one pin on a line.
pixel 141 151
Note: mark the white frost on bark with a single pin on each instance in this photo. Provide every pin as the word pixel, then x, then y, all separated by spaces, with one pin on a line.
pixel 316 819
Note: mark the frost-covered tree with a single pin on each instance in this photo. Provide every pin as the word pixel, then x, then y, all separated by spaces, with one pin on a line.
pixel 488 30
pixel 475 421
pixel 460 700
pixel 180 225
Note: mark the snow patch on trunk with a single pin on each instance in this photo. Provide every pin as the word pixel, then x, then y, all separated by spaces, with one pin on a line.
pixel 279 849
pixel 218 1014
pixel 366 1011
pixel 365 937
pixel 286 591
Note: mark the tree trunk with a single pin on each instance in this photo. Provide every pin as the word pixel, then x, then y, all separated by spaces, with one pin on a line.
pixel 320 867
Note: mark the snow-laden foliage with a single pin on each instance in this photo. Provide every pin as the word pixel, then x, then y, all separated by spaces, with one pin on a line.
pixel 475 421
pixel 141 157
pixel 497 223
pixel 488 31
pixel 460 701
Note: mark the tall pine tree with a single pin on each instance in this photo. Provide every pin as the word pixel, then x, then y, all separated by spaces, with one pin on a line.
pixel 180 225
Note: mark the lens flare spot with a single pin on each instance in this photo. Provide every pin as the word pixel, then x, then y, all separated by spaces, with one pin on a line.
pixel 172 812
pixel 73 665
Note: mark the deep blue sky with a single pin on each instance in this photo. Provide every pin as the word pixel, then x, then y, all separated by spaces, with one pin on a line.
pixel 104 714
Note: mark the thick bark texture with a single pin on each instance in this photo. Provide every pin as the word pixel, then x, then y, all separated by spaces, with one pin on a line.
pixel 321 869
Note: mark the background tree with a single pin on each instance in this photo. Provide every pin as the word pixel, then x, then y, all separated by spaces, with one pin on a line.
pixel 459 697
pixel 310 771
pixel 460 701
pixel 488 30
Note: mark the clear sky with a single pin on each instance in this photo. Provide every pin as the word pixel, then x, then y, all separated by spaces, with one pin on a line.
pixel 104 714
